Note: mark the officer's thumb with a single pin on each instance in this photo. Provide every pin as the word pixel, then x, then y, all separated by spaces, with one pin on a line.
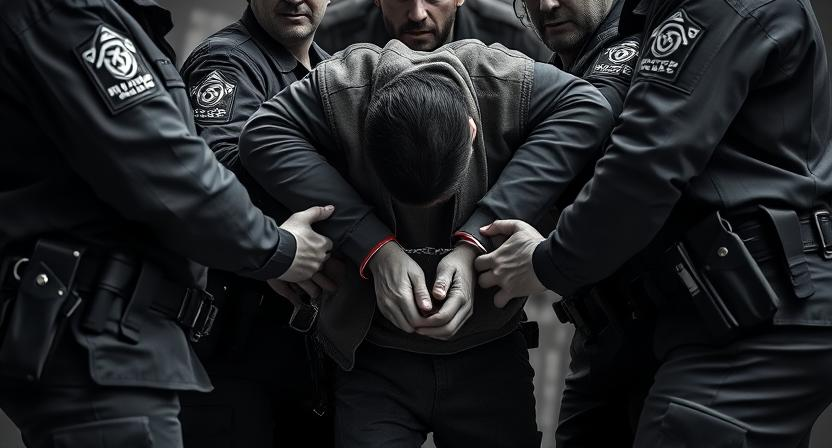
pixel 502 298
pixel 315 214
pixel 500 227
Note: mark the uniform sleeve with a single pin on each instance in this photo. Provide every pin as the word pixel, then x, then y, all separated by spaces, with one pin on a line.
pixel 289 149
pixel 568 121
pixel 694 74
pixel 225 91
pixel 121 131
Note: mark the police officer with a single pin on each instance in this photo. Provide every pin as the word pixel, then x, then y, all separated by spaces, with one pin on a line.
pixel 719 174
pixel 587 42
pixel 426 25
pixel 107 196
pixel 261 368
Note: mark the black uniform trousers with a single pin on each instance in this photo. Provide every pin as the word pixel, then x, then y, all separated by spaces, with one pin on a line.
pixel 481 397
pixel 764 389
pixel 100 417
pixel 604 391
pixel 263 387
pixel 66 409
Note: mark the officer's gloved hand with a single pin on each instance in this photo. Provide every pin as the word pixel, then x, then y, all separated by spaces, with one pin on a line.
pixel 400 287
pixel 455 276
pixel 510 266
pixel 312 248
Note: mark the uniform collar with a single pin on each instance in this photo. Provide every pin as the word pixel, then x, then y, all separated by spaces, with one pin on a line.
pixel 285 60
pixel 464 27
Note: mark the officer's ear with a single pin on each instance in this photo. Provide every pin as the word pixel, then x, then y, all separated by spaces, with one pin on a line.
pixel 472 126
pixel 377 3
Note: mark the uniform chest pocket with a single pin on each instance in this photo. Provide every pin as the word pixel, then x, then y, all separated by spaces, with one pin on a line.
pixel 170 76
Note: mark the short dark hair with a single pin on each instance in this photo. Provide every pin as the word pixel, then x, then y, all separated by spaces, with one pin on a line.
pixel 417 137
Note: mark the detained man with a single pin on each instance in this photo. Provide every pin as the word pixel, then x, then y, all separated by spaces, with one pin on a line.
pixel 418 150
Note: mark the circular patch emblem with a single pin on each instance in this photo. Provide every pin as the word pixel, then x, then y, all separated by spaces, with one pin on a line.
pixel 118 57
pixel 622 54
pixel 212 90
pixel 210 94
pixel 668 39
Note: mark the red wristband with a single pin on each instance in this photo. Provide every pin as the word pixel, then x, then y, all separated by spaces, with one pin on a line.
pixel 373 252
pixel 467 238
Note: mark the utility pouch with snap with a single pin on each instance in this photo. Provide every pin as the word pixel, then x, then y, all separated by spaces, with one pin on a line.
pixel 39 311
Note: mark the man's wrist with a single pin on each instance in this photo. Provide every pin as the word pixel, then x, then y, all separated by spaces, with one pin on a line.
pixel 466 238
pixel 467 249
pixel 368 260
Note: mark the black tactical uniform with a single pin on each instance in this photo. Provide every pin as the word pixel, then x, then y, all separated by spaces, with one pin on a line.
pixel 729 111
pixel 107 196
pixel 492 21
pixel 611 367
pixel 260 368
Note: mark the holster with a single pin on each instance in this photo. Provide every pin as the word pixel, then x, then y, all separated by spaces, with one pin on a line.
pixel 721 279
pixel 35 317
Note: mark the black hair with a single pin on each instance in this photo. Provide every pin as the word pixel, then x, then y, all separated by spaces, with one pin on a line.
pixel 417 137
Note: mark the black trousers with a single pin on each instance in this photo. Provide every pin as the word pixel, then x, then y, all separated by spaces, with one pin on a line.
pixel 482 397
pixel 604 391
pixel 100 417
pixel 764 390
pixel 68 409
pixel 264 391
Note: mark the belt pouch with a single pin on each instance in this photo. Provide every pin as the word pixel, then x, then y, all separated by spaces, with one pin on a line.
pixel 44 302
pixel 725 263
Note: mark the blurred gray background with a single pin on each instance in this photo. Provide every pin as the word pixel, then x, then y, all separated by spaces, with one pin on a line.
pixel 196 19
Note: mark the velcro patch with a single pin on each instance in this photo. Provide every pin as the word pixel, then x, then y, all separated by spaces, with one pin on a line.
pixel 617 60
pixel 117 69
pixel 213 98
pixel 670 45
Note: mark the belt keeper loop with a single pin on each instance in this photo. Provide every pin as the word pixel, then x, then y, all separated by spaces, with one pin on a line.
pixel 147 285
pixel 114 279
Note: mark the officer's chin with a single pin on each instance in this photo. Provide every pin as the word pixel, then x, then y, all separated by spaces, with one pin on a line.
pixel 419 41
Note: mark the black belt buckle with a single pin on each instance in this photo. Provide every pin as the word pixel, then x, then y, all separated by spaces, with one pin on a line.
pixel 197 313
pixel 824 244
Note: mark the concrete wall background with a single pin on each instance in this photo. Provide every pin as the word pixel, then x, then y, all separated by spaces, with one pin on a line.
pixel 195 19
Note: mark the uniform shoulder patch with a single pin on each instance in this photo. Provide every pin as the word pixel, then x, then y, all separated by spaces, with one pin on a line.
pixel 213 98
pixel 670 45
pixel 117 69
pixel 617 60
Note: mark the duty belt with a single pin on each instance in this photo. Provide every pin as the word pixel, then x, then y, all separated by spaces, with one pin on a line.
pixel 193 309
pixel 769 233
